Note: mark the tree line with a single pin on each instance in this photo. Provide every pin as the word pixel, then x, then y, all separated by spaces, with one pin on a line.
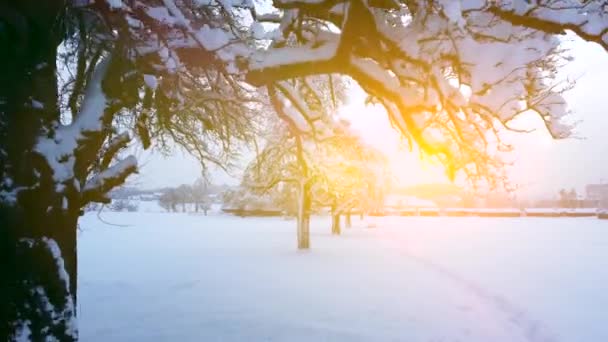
pixel 196 197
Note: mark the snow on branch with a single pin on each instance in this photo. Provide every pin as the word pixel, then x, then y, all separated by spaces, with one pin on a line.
pixel 96 188
pixel 269 17
pixel 59 150
pixel 116 144
pixel 219 39
pixel 52 246
pixel 588 19
pixel 292 62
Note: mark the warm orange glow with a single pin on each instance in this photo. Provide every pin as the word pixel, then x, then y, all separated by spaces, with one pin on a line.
pixel 410 168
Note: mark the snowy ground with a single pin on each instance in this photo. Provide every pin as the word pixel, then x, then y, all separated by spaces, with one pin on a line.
pixel 180 277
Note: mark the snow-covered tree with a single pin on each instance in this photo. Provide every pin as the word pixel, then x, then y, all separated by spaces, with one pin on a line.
pixel 283 164
pixel 184 196
pixel 123 205
pixel 79 79
pixel 168 200
pixel 191 197
pixel 307 109
pixel 451 74
pixel 350 175
pixel 244 201
pixel 200 196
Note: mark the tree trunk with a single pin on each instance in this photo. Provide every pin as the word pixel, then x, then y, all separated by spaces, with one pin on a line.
pixel 304 204
pixel 335 219
pixel 348 222
pixel 39 268
pixel 335 224
pixel 38 216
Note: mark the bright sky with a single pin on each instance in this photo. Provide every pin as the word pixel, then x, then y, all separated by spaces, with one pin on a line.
pixel 542 166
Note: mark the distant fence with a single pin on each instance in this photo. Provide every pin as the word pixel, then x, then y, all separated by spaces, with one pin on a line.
pixel 254 213
pixel 489 212
pixel 453 212
pixel 266 213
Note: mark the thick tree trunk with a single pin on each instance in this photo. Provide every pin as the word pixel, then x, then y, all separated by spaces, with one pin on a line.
pixel 38 216
pixel 39 271
pixel 347 221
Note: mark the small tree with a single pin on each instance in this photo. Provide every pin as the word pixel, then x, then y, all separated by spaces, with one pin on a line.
pixel 184 196
pixel 169 200
pixel 350 172
pixel 200 196
pixel 291 144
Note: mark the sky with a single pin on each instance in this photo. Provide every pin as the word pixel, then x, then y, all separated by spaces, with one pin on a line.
pixel 541 165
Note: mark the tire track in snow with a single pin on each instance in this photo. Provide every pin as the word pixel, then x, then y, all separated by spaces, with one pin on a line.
pixel 533 330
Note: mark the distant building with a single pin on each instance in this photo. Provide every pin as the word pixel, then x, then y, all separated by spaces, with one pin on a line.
pixel 597 193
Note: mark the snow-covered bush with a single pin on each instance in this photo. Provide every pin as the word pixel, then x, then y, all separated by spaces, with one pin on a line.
pixel 244 199
pixel 123 205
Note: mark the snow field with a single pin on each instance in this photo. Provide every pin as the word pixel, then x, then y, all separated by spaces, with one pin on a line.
pixel 180 277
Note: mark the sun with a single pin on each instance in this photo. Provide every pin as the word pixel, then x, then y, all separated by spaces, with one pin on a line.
pixel 407 166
